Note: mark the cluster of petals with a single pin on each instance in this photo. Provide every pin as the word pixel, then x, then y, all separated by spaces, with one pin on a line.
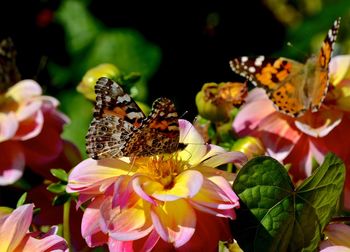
pixel 337 238
pixel 299 141
pixel 163 202
pixel 15 235
pixel 30 128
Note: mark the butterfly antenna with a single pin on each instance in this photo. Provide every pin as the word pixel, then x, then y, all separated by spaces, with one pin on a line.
pixel 41 66
pixel 289 44
pixel 183 114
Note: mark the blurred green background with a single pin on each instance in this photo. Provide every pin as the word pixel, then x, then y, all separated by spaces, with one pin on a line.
pixel 175 47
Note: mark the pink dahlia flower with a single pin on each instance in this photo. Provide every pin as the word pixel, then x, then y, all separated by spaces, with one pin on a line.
pixel 14 234
pixel 337 238
pixel 30 128
pixel 165 202
pixel 300 140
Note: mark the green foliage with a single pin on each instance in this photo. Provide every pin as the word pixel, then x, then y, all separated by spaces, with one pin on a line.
pixel 275 216
pixel 89 43
pixel 21 200
pixel 60 174
pixel 60 199
pixel 79 110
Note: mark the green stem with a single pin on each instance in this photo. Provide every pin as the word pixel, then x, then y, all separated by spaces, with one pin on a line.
pixel 66 230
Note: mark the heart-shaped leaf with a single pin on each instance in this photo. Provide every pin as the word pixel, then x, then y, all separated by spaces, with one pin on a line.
pixel 274 216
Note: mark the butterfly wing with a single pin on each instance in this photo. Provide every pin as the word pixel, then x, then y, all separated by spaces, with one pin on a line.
pixel 9 73
pixel 319 87
pixel 116 118
pixel 159 132
pixel 282 79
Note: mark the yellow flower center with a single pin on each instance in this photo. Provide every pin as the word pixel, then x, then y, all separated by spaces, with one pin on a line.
pixel 162 168
pixel 7 104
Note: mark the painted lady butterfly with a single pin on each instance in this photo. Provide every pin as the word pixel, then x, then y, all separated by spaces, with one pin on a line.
pixel 120 128
pixel 292 86
pixel 9 74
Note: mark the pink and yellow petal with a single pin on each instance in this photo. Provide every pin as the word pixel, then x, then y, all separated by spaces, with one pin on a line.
pixel 335 249
pixel 8 126
pixel 217 156
pixel 89 175
pixel 339 68
pixel 186 185
pixel 256 108
pixel 15 227
pixel 319 124
pixel 30 127
pixel 11 167
pixel 174 221
pixel 24 90
pixel 126 224
pixel 46 243
pixel 338 234
pixel 90 225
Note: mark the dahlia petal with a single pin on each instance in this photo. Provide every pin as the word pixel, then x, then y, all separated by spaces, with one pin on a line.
pixel 23 90
pixel 11 167
pixel 215 197
pixel 335 249
pixel 209 172
pixel 189 134
pixel 90 221
pixel 28 109
pixel 319 124
pixel 174 221
pixel 301 159
pixel 257 107
pixel 8 126
pixel 151 241
pixel 45 243
pixel 218 156
pixel 278 136
pixel 186 185
pixel 15 227
pixel 338 68
pixel 120 246
pixel 30 127
pixel 195 145
pixel 89 175
pixel 127 224
pixel 144 187
pixel 338 234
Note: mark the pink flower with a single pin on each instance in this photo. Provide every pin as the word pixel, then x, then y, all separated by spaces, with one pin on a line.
pixel 337 238
pixel 14 235
pixel 300 140
pixel 161 202
pixel 30 128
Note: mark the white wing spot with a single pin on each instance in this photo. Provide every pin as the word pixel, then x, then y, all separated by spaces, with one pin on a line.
pixel 259 60
pixel 244 59
pixel 251 69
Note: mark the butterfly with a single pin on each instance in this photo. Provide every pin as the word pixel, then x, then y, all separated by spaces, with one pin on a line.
pixel 9 74
pixel 293 87
pixel 120 129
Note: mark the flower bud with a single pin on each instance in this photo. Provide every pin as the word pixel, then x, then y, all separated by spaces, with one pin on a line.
pixel 216 101
pixel 87 85
pixel 250 146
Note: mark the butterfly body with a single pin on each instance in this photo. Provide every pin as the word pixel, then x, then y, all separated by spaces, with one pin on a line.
pixel 292 86
pixel 120 128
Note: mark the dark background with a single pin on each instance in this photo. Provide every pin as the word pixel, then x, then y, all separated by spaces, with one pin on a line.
pixel 193 50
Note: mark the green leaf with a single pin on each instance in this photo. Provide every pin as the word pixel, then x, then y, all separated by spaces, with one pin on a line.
pixel 60 174
pixel 56 188
pixel 21 200
pixel 79 110
pixel 60 199
pixel 274 216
